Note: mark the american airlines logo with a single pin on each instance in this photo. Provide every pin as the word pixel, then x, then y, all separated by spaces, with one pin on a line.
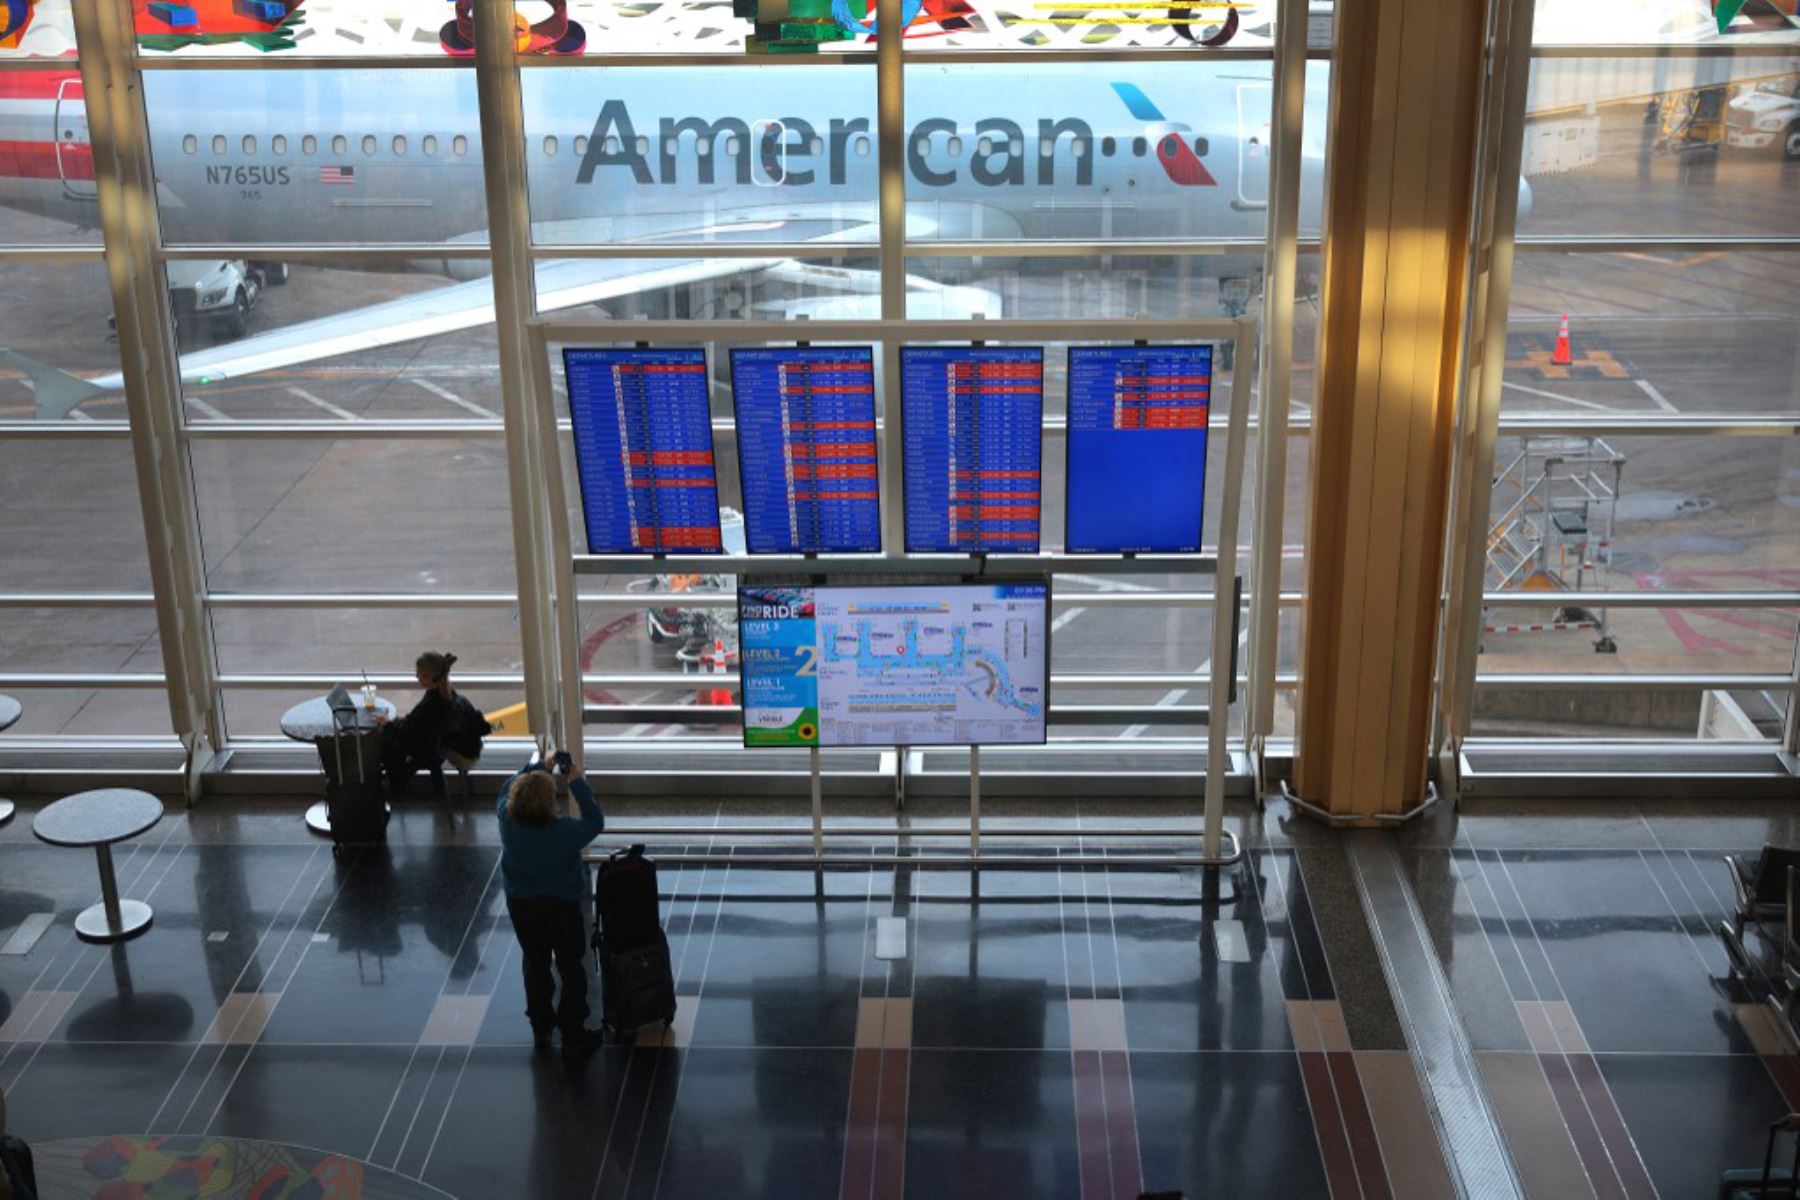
pixel 791 151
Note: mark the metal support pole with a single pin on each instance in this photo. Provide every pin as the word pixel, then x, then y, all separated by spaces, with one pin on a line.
pixel 1790 735
pixel 1478 418
pixel 1224 639
pixel 975 802
pixel 890 144
pixel 900 753
pixel 515 298
pixel 125 194
pixel 818 804
pixel 109 887
pixel 1273 396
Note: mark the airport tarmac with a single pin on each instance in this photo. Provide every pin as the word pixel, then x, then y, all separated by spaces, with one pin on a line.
pixel 1665 336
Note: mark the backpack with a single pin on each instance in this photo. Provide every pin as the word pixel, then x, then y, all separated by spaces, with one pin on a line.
pixel 466 727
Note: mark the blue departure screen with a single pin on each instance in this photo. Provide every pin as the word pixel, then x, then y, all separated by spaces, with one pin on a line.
pixel 1137 448
pixel 644 450
pixel 974 423
pixel 806 449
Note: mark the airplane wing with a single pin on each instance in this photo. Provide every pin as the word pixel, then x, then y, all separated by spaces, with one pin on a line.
pixel 561 283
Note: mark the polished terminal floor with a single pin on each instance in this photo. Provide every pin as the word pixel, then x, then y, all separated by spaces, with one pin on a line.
pixel 1049 1032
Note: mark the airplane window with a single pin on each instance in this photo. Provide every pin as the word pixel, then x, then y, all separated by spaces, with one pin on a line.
pixel 218 143
pixel 610 144
pixel 1046 147
pixel 1169 146
pixel 1201 146
pixel 549 147
pixel 339 143
pixel 581 145
pixel 1109 147
pixel 1081 148
pixel 460 146
pixel 643 145
pixel 429 145
pixel 309 144
pixel 984 146
pixel 703 148
pixel 816 146
pixel 923 145
pixel 1138 146
pixel 954 146
pixel 249 144
pixel 369 143
pixel 190 144
pixel 399 145
pixel 731 145
pixel 862 147
pixel 279 143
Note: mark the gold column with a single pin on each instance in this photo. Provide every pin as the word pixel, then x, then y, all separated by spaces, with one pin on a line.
pixel 1405 99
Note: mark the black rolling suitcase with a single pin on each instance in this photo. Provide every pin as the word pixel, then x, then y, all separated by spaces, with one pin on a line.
pixel 637 986
pixel 355 797
pixel 16 1167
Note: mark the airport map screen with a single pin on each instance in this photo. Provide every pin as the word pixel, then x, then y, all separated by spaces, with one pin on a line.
pixel 644 450
pixel 1137 448
pixel 806 449
pixel 903 665
pixel 974 423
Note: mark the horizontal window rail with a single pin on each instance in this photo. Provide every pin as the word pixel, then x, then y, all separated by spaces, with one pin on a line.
pixel 433 61
pixel 227 431
pixel 1616 682
pixel 1065 599
pixel 1123 247
pixel 1528 244
pixel 77 600
pixel 1660 425
pixel 401 600
pixel 732 714
pixel 1008 566
pixel 941 57
pixel 563 328
pixel 709 679
pixel 73 430
pixel 336 253
pixel 80 254
pixel 1641 599
pixel 354 675
pixel 63 680
pixel 1720 49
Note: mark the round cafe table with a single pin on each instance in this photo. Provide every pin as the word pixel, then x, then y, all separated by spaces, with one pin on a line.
pixel 98 819
pixel 311 722
pixel 10 712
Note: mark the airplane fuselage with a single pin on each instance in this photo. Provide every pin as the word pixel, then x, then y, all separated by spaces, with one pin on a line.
pixel 789 155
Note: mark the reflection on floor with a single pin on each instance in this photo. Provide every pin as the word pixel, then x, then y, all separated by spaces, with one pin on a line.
pixel 1049 1032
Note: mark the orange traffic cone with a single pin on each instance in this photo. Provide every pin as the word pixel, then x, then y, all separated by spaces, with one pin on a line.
pixel 1560 356
pixel 719 696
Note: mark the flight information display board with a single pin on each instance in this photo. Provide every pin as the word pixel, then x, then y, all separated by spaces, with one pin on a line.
pixel 974 423
pixel 806 449
pixel 644 450
pixel 902 665
pixel 1137 448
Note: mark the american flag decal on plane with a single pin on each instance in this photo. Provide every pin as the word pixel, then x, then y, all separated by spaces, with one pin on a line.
pixel 339 175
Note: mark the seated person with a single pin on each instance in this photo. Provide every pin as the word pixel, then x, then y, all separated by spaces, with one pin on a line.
pixel 441 720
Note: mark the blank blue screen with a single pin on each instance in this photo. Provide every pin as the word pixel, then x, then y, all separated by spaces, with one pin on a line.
pixel 1137 448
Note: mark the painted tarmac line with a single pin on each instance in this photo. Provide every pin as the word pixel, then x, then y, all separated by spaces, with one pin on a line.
pixel 453 398
pixel 343 414
pixel 206 409
pixel 1661 401
pixel 1531 391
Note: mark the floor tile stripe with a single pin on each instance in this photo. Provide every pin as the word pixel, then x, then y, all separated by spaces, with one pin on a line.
pixel 1090 1127
pixel 890 1144
pixel 1619 1145
pixel 1580 1124
pixel 1532 1123
pixel 1328 1125
pixel 860 1138
pixel 1365 1147
pixel 1410 1151
pixel 1121 1125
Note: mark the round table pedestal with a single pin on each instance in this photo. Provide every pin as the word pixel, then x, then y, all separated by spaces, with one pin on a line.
pixel 94 925
pixel 6 811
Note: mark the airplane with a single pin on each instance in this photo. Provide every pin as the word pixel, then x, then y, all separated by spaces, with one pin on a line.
pixel 673 156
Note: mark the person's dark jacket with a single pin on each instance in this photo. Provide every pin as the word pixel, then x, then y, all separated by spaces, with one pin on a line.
pixel 438 723
pixel 545 860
